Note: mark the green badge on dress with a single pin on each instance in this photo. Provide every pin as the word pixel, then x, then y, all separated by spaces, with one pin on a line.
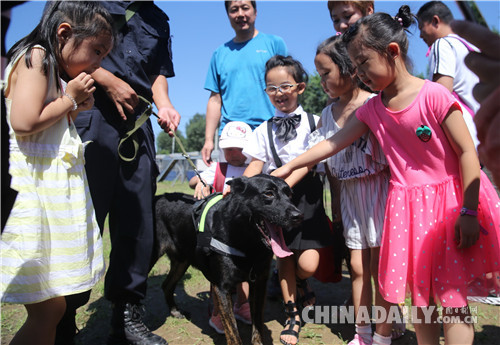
pixel 424 133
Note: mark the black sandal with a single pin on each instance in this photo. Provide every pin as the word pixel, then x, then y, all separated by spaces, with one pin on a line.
pixel 291 312
pixel 308 293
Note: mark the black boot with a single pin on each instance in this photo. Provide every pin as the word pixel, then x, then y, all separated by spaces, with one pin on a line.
pixel 127 327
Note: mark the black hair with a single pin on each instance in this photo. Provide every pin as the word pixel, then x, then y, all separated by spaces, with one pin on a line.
pixel 434 8
pixel 228 3
pixel 87 19
pixel 335 49
pixel 377 30
pixel 293 66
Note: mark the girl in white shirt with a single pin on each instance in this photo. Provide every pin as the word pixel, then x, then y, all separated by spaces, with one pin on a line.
pixel 276 142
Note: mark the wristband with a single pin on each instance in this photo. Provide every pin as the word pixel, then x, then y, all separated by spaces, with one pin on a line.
pixel 75 105
pixel 465 211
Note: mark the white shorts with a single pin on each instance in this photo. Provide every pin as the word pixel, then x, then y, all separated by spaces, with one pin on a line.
pixel 363 207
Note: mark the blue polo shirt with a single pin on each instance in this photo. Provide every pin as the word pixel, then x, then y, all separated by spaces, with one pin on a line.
pixel 237 71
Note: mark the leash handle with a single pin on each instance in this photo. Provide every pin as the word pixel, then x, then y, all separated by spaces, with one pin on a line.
pixel 138 123
pixel 131 133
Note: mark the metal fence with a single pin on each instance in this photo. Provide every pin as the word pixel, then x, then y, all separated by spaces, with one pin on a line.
pixel 175 167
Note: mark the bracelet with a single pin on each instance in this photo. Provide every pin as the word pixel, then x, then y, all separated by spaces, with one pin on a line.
pixel 465 211
pixel 75 105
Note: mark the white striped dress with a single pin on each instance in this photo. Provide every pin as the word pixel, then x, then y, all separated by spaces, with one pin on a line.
pixel 363 171
pixel 51 245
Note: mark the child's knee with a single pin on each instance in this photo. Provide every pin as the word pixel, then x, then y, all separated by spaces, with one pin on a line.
pixel 357 268
pixel 307 263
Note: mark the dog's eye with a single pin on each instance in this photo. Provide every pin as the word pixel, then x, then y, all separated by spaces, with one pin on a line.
pixel 269 194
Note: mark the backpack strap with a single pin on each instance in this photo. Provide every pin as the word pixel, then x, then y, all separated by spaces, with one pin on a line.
pixel 277 160
pixel 464 42
pixel 312 124
pixel 220 176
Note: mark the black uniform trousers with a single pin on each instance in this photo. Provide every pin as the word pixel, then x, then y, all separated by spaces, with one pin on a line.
pixel 125 192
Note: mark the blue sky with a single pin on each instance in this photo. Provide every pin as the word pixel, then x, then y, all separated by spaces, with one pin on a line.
pixel 199 27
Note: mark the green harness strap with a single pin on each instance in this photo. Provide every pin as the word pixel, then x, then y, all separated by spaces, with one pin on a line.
pixel 210 203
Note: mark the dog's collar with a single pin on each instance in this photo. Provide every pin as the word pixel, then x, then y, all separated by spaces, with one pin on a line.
pixel 223 248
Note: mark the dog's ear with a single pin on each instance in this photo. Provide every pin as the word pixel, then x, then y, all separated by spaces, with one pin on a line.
pixel 238 184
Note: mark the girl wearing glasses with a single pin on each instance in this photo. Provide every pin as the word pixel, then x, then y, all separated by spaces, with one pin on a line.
pixel 276 142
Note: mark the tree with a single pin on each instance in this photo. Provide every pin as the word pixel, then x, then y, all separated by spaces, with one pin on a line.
pixel 314 99
pixel 164 142
pixel 195 132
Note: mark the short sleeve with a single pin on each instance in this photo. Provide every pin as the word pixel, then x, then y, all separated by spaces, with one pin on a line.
pixel 281 48
pixel 440 100
pixel 212 80
pixel 209 174
pixel 443 58
pixel 361 112
pixel 257 144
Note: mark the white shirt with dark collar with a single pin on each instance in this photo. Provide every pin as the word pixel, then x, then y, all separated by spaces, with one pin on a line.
pixel 258 146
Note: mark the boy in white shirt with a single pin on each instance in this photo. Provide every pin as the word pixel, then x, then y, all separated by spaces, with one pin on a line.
pixel 447 52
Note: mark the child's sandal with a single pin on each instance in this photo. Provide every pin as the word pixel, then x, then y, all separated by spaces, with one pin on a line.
pixel 291 313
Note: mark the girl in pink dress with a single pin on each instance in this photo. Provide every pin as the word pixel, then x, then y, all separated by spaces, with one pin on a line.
pixel 442 214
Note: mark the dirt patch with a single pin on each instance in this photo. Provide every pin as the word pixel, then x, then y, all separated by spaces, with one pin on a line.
pixel 192 296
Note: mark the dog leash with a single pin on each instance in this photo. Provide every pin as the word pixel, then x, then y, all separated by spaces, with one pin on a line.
pixel 138 123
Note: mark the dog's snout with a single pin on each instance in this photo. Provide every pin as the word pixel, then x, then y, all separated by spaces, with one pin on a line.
pixel 296 216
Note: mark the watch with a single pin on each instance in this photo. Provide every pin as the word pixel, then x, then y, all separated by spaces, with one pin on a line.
pixel 465 211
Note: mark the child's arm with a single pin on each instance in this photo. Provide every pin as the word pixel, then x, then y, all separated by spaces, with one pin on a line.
pixel 29 114
pixel 352 130
pixel 466 227
pixel 296 176
pixel 254 168
pixel 194 181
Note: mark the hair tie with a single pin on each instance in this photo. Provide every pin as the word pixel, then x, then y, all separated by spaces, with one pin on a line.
pixel 338 33
pixel 399 19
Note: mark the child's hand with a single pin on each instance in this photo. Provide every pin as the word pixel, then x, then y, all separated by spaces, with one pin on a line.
pixel 466 231
pixel 282 172
pixel 201 191
pixel 81 87
pixel 226 191
pixel 86 104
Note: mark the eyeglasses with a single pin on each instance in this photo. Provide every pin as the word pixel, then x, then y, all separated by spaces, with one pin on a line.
pixel 284 88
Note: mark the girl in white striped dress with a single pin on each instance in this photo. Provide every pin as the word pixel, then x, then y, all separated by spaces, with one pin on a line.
pixel 363 172
pixel 51 246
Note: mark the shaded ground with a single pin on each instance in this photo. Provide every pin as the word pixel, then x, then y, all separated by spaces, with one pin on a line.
pixel 192 296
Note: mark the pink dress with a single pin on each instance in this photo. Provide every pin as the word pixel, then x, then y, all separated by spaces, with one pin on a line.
pixel 418 252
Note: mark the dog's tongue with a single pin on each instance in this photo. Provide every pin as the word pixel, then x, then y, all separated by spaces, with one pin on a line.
pixel 277 241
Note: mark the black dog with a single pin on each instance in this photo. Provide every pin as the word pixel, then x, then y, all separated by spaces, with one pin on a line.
pixel 238 222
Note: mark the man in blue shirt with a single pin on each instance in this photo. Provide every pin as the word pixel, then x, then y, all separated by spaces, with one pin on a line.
pixel 236 74
pixel 139 64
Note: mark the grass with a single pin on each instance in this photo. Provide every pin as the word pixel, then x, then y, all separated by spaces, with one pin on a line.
pixel 192 292
pixel 14 315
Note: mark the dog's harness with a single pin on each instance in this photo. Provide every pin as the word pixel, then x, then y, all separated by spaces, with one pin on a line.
pixel 215 245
